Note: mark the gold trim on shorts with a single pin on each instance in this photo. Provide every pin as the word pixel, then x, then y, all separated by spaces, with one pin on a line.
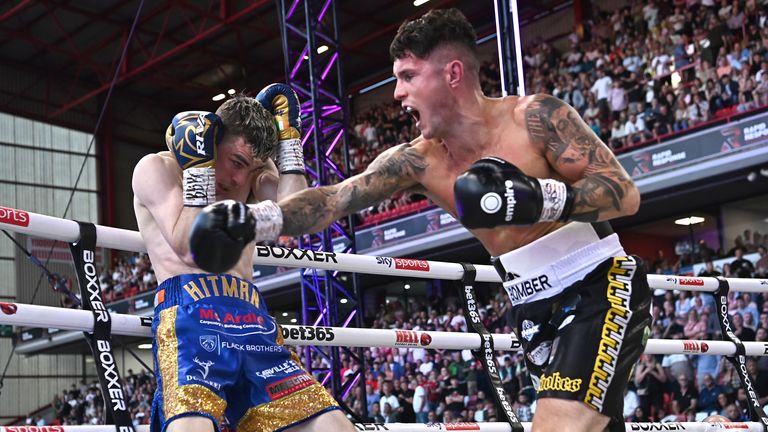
pixel 287 411
pixel 191 398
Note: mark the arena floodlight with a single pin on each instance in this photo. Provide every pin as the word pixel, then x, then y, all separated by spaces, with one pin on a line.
pixel 419 2
pixel 322 48
pixel 692 220
pixel 218 97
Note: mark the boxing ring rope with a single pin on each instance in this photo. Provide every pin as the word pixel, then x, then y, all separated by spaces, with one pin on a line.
pixel 49 227
pixel 438 427
pixel 116 238
pixel 298 335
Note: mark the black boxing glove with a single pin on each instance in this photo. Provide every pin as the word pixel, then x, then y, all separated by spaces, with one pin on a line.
pixel 219 234
pixel 493 192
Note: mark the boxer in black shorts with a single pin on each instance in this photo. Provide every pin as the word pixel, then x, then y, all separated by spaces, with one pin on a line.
pixel 524 174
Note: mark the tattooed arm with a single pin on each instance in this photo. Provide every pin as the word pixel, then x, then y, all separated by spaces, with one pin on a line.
pixel 312 210
pixel 603 189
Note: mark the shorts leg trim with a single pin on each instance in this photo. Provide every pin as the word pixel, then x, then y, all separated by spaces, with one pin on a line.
pixel 288 411
pixel 167 422
pixel 615 326
pixel 194 399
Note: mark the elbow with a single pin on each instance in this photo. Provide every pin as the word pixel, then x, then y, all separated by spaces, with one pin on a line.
pixel 631 202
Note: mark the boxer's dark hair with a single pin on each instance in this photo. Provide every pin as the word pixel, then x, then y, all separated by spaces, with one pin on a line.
pixel 243 116
pixel 434 29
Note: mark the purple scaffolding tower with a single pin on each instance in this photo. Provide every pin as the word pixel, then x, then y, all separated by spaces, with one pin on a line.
pixel 310 37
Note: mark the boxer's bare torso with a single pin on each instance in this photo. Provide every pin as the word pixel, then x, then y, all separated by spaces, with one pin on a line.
pixel 164 222
pixel 541 135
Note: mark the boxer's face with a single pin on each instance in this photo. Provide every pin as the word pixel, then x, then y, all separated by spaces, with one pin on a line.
pixel 422 91
pixel 235 167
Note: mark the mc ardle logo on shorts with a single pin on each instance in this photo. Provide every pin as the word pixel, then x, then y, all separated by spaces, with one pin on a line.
pixel 251 322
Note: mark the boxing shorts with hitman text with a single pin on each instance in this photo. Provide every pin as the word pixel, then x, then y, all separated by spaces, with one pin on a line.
pixel 218 354
pixel 581 310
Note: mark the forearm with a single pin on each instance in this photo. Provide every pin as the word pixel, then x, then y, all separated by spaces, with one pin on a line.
pixel 308 211
pixel 290 184
pixel 604 196
pixel 178 237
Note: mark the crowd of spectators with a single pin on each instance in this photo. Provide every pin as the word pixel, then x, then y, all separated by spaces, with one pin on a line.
pixel 84 404
pixel 658 67
pixel 417 385
pixel 641 72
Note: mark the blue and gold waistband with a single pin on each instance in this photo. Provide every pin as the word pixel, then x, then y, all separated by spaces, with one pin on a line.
pixel 189 288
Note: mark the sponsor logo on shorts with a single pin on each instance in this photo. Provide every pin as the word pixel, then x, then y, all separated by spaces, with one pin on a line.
pixel 296 254
pixel 461 426
pixel 519 291
pixel 8 308
pixel 251 322
pixel 403 263
pixel 14 217
pixel 614 327
pixel 203 367
pixel 284 368
pixel 289 385
pixel 308 333
pixel 529 330
pixel 540 354
pixel 694 347
pixel 222 286
pixel 556 382
pixel 209 342
pixel 674 426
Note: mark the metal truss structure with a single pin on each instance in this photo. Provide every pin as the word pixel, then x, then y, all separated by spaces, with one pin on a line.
pixel 310 34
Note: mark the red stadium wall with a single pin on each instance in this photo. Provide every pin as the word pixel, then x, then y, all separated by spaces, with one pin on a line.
pixel 646 245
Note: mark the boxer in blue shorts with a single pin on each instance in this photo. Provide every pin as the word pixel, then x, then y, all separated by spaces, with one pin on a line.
pixel 219 358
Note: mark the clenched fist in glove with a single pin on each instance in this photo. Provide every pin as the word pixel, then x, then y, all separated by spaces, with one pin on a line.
pixel 192 138
pixel 494 192
pixel 282 102
pixel 222 230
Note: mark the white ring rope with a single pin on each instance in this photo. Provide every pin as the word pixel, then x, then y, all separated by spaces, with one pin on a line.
pixel 115 238
pixel 440 427
pixel 297 335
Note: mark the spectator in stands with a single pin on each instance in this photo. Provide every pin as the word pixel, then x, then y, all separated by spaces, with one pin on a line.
pixel 741 267
pixel 708 394
pixel 681 116
pixel 698 110
pixel 649 379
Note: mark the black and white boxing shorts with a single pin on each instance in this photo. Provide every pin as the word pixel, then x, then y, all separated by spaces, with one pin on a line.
pixel 581 309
